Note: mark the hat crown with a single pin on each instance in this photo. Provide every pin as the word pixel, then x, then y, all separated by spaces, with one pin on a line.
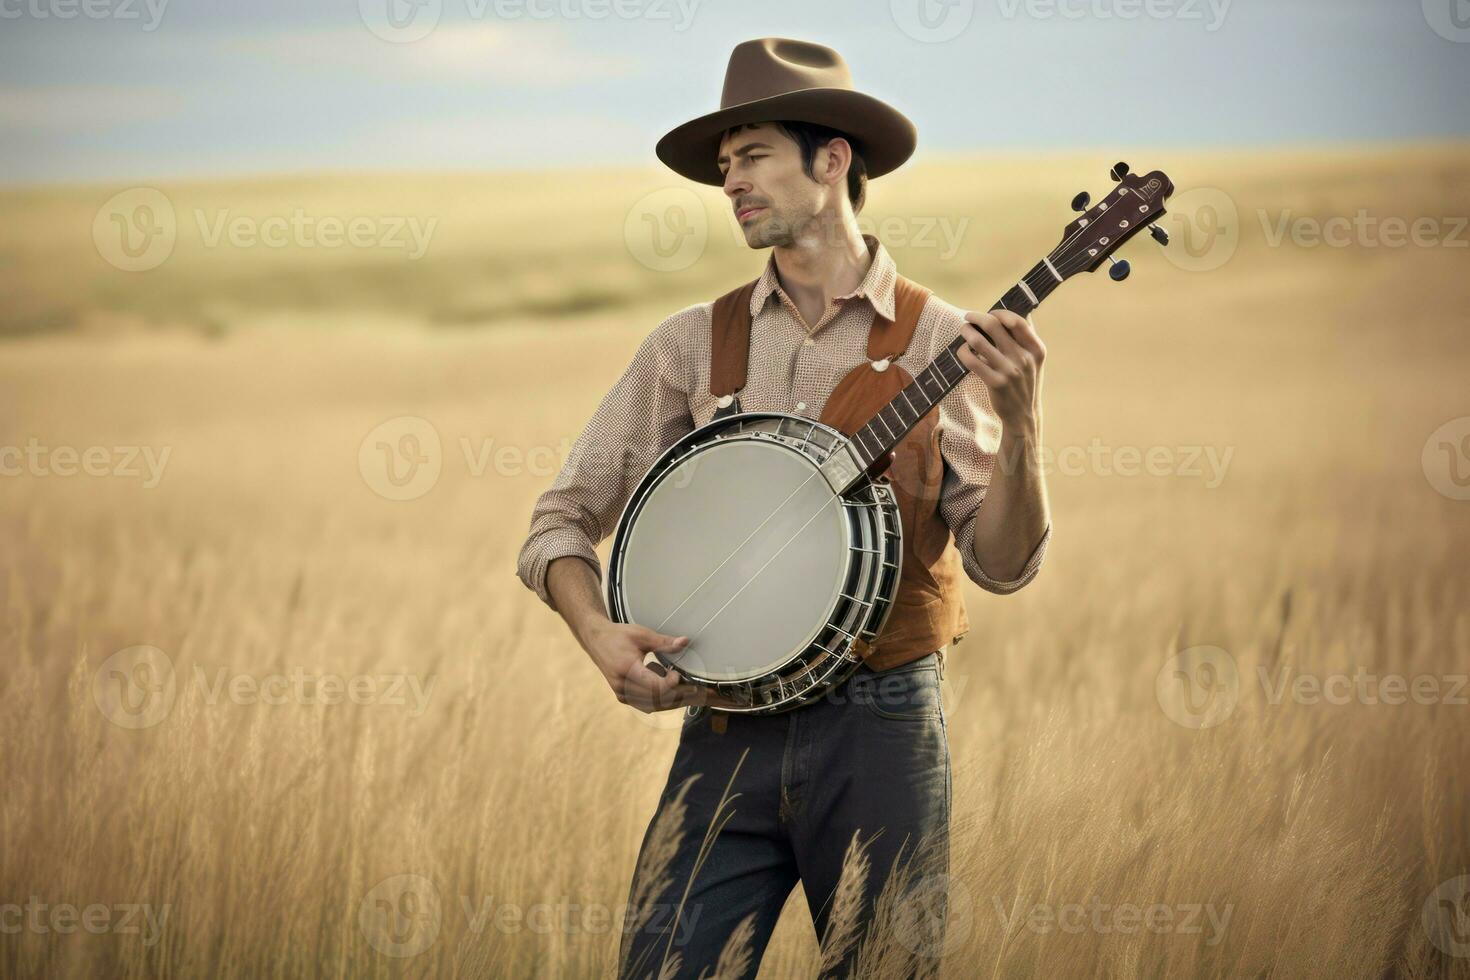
pixel 771 66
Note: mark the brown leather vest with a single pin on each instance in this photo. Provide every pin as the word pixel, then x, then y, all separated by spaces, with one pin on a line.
pixel 929 610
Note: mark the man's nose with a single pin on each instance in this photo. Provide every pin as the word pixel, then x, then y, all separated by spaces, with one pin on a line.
pixel 734 186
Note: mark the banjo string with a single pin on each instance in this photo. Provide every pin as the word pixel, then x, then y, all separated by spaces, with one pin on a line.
pixel 738 547
pixel 783 547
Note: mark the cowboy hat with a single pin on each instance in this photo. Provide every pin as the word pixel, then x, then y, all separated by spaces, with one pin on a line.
pixel 776 78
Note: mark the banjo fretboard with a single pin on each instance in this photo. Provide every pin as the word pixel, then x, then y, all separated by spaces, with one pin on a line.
pixel 886 430
pixel 1134 204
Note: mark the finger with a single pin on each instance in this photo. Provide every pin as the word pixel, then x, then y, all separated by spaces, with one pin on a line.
pixel 978 366
pixel 635 682
pixel 652 640
pixel 1029 339
pixel 645 679
pixel 978 317
pixel 1009 319
pixel 980 344
pixel 662 699
pixel 999 332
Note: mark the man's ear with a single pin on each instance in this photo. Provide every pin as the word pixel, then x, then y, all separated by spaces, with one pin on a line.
pixel 839 158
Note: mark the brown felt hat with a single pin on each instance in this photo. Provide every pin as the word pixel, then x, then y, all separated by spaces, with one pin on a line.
pixel 776 78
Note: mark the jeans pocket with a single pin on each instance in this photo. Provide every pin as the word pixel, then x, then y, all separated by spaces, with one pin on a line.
pixel 904 693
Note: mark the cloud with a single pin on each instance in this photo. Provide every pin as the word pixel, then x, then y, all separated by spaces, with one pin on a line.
pixel 91 106
pixel 495 139
pixel 527 54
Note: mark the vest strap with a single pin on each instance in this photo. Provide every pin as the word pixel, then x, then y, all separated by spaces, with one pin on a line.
pixel 730 332
pixel 730 340
pixel 889 338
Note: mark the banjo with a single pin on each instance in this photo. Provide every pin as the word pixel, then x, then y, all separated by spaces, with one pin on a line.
pixel 774 541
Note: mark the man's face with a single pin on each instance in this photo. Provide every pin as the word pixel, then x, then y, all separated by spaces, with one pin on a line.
pixel 773 198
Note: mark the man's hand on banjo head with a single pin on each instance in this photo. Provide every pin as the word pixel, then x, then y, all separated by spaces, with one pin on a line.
pixel 621 651
pixel 1005 350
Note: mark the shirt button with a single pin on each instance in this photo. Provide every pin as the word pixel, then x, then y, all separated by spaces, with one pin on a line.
pixel 809 342
pixel 801 406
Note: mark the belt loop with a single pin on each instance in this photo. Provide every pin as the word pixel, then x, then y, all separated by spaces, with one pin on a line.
pixel 939 654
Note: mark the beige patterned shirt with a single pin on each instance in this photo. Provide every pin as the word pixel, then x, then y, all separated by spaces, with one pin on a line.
pixel 664 393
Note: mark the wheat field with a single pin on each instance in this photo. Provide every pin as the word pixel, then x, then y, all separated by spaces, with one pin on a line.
pixel 263 719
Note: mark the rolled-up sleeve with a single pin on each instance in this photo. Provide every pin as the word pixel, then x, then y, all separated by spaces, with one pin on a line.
pixel 644 412
pixel 969 440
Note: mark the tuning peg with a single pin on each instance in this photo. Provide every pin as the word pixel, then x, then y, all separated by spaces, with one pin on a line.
pixel 1120 269
pixel 1160 235
pixel 1120 170
pixel 1081 201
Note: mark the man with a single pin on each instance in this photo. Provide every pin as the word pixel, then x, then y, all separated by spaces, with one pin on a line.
pixel 863 773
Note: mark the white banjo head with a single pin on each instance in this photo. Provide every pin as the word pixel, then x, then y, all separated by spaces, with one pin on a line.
pixel 742 546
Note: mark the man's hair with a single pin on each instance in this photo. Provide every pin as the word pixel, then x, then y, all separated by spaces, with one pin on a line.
pixel 810 136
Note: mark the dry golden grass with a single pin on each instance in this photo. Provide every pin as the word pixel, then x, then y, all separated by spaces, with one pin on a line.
pixel 1321 830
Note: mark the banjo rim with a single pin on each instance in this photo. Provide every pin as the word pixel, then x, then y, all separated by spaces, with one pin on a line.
pixel 829 603
pixel 879 519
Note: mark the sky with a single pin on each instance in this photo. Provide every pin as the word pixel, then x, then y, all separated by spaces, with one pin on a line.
pixel 98 90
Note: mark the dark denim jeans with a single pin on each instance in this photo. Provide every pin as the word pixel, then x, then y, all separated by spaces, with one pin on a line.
pixel 871 758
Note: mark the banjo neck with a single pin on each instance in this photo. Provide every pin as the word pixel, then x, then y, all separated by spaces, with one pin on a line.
pixel 877 438
pixel 1135 202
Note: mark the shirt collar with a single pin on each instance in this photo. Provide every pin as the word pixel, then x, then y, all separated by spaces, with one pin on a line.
pixel 876 287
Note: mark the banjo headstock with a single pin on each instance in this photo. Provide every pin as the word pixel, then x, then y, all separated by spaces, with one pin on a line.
pixel 1135 203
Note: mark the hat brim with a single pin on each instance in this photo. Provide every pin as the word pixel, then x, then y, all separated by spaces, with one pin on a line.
pixel 884 136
